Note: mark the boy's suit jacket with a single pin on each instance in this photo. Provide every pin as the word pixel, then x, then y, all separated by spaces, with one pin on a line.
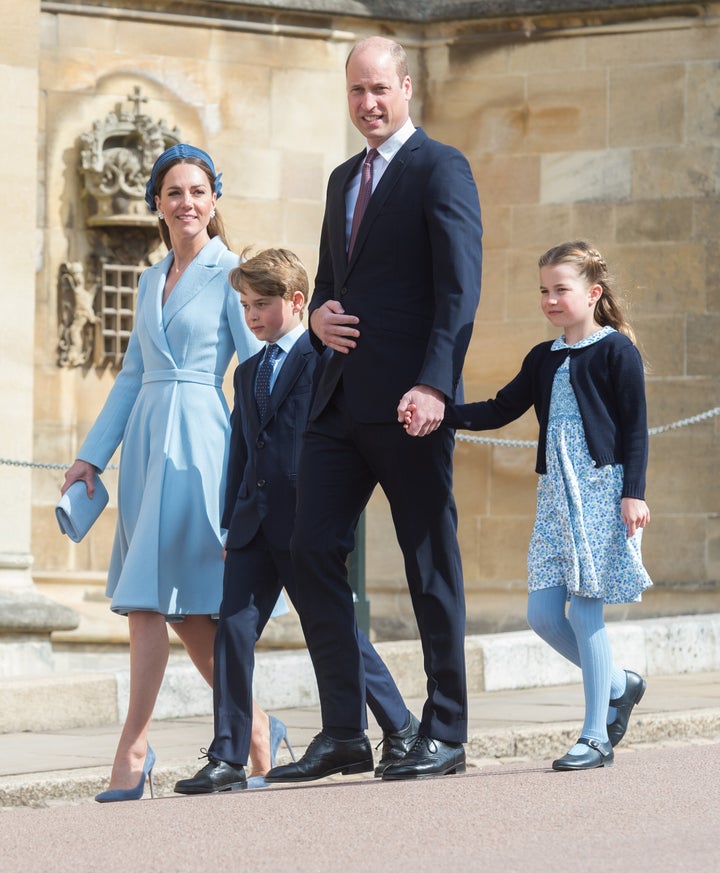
pixel 264 455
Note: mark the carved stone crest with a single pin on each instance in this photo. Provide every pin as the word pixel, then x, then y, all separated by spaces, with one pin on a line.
pixel 96 299
pixel 117 156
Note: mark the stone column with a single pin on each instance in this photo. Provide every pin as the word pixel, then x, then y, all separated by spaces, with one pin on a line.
pixel 26 617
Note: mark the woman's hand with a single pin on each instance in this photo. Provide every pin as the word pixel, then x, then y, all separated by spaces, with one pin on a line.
pixel 81 470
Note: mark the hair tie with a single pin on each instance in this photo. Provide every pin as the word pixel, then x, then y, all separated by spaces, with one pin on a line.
pixel 181 150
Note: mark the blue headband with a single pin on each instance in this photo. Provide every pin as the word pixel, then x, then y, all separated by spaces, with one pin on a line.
pixel 181 150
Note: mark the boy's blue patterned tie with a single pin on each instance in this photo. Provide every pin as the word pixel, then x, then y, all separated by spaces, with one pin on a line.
pixel 262 386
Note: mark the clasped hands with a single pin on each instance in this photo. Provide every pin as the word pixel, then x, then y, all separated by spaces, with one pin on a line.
pixel 421 409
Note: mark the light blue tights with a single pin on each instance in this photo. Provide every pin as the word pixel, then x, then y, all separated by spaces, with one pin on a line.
pixel 581 637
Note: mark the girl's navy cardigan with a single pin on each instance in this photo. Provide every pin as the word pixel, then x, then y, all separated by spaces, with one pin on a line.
pixel 609 384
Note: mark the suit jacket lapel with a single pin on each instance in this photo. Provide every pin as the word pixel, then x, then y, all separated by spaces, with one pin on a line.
pixel 248 377
pixel 336 206
pixel 289 372
pixel 396 168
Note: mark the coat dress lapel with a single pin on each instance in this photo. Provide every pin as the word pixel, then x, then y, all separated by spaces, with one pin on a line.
pixel 201 270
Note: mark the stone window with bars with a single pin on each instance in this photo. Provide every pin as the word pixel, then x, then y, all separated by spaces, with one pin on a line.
pixel 116 311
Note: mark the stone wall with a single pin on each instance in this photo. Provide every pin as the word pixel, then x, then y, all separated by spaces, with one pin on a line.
pixel 596 124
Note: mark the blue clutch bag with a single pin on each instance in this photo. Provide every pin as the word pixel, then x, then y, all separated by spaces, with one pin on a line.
pixel 76 512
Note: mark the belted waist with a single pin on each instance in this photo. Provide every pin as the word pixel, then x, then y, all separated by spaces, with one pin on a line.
pixel 182 376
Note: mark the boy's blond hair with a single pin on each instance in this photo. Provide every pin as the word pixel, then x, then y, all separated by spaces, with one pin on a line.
pixel 271 273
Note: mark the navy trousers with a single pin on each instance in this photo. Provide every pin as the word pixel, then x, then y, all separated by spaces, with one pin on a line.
pixel 254 577
pixel 341 462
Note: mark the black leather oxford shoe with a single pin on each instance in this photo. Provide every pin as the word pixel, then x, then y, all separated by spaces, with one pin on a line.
pixel 214 776
pixel 633 694
pixel 598 755
pixel 428 757
pixel 397 744
pixel 324 757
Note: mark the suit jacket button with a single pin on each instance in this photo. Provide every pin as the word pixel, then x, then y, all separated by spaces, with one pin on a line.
pixel 260 483
pixel 260 444
pixel 343 291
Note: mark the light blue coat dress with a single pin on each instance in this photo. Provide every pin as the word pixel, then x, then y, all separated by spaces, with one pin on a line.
pixel 168 409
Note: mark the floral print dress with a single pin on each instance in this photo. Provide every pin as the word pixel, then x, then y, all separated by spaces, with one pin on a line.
pixel 579 539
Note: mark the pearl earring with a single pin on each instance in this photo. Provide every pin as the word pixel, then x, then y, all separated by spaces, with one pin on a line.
pixel 161 216
pixel 212 213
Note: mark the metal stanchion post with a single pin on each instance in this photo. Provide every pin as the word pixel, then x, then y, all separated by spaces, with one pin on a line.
pixel 356 578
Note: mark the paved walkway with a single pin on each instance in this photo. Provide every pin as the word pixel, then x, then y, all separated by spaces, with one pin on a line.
pixel 49 767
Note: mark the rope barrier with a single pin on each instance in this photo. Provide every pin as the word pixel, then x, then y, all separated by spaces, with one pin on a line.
pixel 40 466
pixel 653 431
pixel 462 437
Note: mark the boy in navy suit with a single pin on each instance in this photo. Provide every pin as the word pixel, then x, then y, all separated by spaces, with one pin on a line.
pixel 273 391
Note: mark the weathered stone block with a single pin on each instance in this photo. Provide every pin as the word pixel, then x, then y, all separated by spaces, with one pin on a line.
pixel 506 179
pixel 466 61
pixel 255 222
pixel 661 340
pixel 682 40
pixel 291 120
pixel 303 221
pixel 303 178
pixel 473 118
pixel 567 177
pixel 497 223
pixel 693 641
pixel 25 611
pixel 496 353
pixel 713 549
pixel 566 110
pixel 549 55
pixel 653 275
pixel 244 100
pixel 19 39
pixel 673 544
pixel 146 37
pixel 542 226
pixel 650 221
pixel 502 547
pixel 703 345
pixel 684 171
pixel 703 103
pixel 80 700
pixel 647 105
pixel 594 222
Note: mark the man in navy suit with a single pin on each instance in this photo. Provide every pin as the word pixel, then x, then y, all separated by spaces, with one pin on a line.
pixel 259 516
pixel 395 299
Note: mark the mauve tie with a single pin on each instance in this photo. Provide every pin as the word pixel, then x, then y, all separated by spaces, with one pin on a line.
pixel 363 196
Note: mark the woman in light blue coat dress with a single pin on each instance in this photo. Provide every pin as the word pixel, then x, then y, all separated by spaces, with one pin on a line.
pixel 168 410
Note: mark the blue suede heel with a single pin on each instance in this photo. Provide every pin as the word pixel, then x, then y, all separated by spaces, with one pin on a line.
pixel 278 734
pixel 117 794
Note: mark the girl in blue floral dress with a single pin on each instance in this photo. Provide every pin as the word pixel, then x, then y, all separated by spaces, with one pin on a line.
pixel 588 391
